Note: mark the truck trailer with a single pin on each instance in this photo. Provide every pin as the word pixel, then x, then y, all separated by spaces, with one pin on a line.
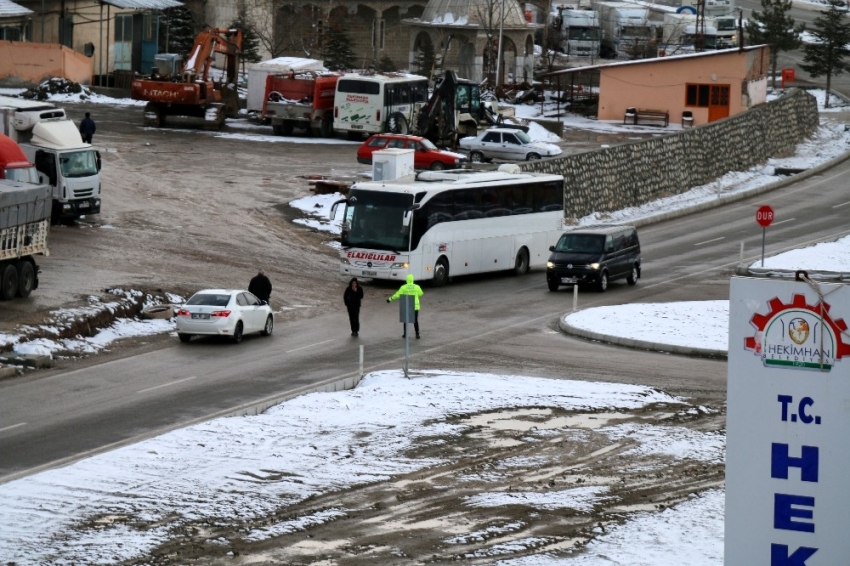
pixel 51 141
pixel 25 210
pixel 627 32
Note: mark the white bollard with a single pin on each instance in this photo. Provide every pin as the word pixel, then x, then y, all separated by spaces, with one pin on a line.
pixel 361 360
pixel 575 298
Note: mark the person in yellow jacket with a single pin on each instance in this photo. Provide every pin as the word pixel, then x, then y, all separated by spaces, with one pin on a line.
pixel 410 288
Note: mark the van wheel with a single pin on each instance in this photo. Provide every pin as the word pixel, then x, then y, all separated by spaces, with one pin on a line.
pixel 521 264
pixel 26 279
pixel 441 272
pixel 633 276
pixel 553 285
pixel 8 282
pixel 602 284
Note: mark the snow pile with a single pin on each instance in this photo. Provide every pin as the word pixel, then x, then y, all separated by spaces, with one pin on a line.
pixel 823 256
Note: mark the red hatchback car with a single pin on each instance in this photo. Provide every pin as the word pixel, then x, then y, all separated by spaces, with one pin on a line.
pixel 426 156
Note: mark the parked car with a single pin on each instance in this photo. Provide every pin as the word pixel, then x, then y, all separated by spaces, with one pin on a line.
pixel 223 312
pixel 594 256
pixel 427 156
pixel 506 143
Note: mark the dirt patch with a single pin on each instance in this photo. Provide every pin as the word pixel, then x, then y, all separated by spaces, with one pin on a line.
pixel 514 482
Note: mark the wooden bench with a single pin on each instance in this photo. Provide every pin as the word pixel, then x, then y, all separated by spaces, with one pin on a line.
pixel 645 116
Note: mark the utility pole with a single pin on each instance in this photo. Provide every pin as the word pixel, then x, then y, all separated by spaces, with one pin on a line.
pixel 699 40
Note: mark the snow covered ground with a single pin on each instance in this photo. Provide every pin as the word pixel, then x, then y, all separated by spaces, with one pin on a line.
pixel 117 505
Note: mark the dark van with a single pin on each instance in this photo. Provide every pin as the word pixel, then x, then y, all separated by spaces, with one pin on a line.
pixel 594 256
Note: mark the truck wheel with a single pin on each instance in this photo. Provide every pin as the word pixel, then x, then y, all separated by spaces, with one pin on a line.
pixel 286 128
pixel 8 282
pixel 327 129
pixel 26 278
pixel 277 129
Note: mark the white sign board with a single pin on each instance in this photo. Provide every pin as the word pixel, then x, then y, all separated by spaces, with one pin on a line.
pixel 788 451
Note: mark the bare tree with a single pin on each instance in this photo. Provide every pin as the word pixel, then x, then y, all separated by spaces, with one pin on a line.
pixel 490 14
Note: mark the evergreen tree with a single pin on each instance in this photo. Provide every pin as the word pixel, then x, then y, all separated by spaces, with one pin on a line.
pixel 337 52
pixel 250 41
pixel 827 56
pixel 177 30
pixel 775 27
pixel 386 65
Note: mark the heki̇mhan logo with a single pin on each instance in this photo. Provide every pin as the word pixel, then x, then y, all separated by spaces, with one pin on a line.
pixel 798 335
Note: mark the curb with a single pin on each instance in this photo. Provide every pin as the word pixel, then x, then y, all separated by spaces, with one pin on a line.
pixel 639 344
pixel 745 270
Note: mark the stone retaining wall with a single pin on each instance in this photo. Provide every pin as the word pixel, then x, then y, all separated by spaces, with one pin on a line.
pixel 633 174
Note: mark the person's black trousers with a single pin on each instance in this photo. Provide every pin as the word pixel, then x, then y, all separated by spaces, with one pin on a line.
pixel 354 319
pixel 415 324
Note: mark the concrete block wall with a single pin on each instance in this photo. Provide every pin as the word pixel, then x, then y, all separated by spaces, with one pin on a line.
pixel 633 174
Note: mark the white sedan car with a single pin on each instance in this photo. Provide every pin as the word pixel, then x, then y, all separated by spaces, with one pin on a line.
pixel 224 312
pixel 506 143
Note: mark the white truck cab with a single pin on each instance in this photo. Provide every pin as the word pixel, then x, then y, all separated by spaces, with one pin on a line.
pixel 53 143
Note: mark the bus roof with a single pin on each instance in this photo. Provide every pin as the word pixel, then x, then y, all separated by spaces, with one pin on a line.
pixel 454 179
pixel 383 77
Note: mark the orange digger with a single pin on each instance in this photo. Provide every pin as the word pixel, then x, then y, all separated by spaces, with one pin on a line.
pixel 195 93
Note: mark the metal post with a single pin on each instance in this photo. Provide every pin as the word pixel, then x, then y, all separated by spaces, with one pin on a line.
pixel 575 298
pixel 741 255
pixel 42 22
pixel 763 231
pixel 406 351
pixel 361 360
pixel 100 51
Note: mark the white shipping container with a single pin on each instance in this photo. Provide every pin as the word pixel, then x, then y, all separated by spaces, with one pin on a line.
pixel 258 72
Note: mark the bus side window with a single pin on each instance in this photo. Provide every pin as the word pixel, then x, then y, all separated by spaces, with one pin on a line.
pixel 390 96
pixel 439 209
pixel 548 197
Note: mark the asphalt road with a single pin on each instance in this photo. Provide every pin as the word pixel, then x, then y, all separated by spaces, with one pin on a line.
pixel 502 324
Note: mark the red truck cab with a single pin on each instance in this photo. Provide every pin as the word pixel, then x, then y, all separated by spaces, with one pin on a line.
pixel 14 165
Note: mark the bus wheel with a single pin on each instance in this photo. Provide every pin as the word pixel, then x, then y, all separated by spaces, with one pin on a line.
pixel 398 125
pixel 441 272
pixel 521 265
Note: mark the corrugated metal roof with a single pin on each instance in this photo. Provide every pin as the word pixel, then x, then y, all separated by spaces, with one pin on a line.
pixel 11 10
pixel 142 4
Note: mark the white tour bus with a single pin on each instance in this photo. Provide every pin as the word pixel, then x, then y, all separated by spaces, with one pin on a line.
pixel 370 104
pixel 450 223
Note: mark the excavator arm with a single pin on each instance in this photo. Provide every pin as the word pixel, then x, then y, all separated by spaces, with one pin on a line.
pixel 210 41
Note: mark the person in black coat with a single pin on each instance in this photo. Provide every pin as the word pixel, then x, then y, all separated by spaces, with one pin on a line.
pixel 352 298
pixel 260 286
pixel 87 128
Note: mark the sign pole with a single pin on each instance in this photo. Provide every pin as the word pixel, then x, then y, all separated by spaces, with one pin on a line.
pixel 763 232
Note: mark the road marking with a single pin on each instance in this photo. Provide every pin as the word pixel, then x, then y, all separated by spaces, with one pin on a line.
pixel 842 204
pixel 308 346
pixel 783 221
pixel 169 384
pixel 709 241
pixel 10 427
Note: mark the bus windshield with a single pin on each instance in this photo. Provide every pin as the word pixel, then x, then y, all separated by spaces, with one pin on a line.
pixel 78 163
pixel 373 220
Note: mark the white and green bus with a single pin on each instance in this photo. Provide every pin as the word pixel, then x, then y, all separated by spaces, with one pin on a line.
pixel 450 223
pixel 379 102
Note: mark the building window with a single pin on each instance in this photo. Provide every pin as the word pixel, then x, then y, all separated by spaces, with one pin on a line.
pixel 124 28
pixel 697 95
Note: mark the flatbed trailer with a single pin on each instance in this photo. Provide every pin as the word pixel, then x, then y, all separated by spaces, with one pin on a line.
pixel 25 210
